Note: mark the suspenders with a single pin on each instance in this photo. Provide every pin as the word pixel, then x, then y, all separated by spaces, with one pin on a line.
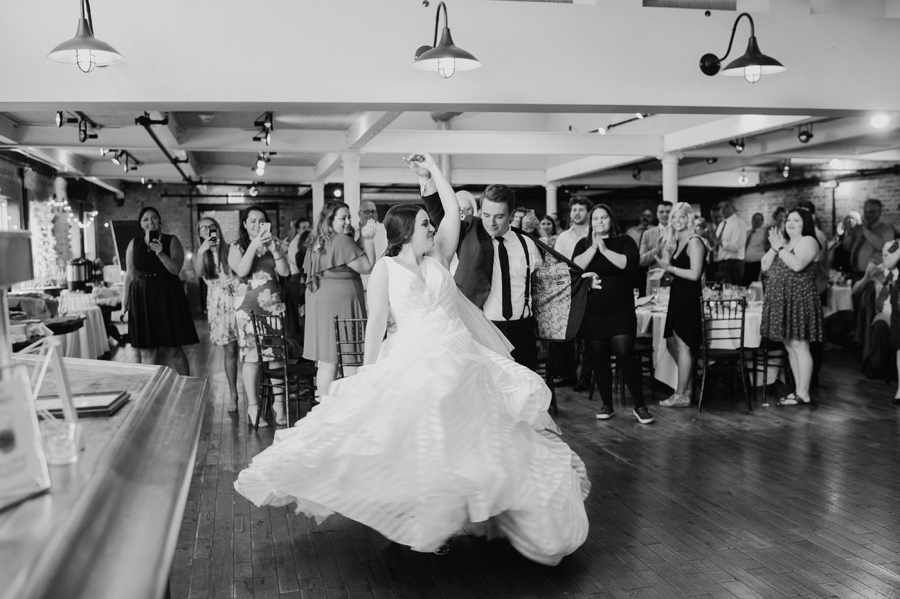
pixel 527 304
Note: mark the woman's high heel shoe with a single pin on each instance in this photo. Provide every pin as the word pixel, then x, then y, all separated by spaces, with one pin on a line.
pixel 280 415
pixel 252 411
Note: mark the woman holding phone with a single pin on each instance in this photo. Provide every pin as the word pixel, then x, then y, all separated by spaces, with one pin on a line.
pixel 159 317
pixel 211 264
pixel 256 258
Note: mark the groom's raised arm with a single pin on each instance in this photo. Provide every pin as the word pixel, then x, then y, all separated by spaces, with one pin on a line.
pixel 432 200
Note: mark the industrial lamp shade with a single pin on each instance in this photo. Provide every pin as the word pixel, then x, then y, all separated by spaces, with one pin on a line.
pixel 445 58
pixel 753 64
pixel 85 50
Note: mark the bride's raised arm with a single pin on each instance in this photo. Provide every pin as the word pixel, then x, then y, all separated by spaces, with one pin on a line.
pixel 447 237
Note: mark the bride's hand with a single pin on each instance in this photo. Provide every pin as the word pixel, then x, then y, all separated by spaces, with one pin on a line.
pixel 418 164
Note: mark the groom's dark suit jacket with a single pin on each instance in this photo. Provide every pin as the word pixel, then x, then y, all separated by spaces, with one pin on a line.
pixel 475 252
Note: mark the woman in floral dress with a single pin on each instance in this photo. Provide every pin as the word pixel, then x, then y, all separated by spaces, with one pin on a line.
pixel 211 264
pixel 256 258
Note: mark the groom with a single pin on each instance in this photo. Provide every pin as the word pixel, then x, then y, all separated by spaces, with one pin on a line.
pixel 493 266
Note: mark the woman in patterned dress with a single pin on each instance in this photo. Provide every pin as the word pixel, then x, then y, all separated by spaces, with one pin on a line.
pixel 792 312
pixel 684 256
pixel 256 258
pixel 211 264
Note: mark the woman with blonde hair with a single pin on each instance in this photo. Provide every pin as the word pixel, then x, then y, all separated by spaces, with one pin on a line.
pixel 684 257
pixel 333 265
pixel 211 264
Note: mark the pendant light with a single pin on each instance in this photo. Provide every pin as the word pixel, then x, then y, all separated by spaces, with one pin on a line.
pixel 84 49
pixel 752 65
pixel 444 57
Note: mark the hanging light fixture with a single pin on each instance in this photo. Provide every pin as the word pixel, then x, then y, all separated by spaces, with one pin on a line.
pixel 752 65
pixel 84 49
pixel 804 135
pixel 444 57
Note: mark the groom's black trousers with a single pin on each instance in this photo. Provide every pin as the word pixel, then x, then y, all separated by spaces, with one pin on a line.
pixel 521 334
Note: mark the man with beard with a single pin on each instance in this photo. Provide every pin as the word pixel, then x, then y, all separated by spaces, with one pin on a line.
pixel 564 354
pixel 650 245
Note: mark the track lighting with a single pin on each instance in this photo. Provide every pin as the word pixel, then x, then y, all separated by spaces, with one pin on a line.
pixel 84 49
pixel 786 168
pixel 262 159
pixel 62 119
pixel 636 173
pixel 737 144
pixel 115 159
pixel 711 160
pixel 804 135
pixel 444 57
pixel 752 65
pixel 266 125
pixel 83 133
pixel 254 191
pixel 743 180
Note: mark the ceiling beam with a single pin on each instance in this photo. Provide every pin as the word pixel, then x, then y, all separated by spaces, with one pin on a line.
pixel 170 135
pixel 359 134
pixel 722 130
pixel 586 166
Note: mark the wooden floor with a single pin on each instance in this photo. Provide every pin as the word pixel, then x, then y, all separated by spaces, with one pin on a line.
pixel 783 502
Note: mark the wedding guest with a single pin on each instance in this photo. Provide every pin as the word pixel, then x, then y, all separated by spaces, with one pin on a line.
pixel 754 249
pixel 684 256
pixel 333 265
pixel 531 225
pixel 257 260
pixel 211 264
pixel 866 240
pixel 610 324
pixel 159 316
pixel 792 312
pixel 293 286
pixel 548 230
pixel 650 247
pixel 891 253
pixel 731 239
pixel 468 205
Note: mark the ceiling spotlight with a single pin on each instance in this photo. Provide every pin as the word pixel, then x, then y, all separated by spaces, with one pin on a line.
pixel 62 119
pixel 149 184
pixel 804 135
pixel 103 151
pixel 260 172
pixel 261 160
pixel 83 134
pixel 601 130
pixel 711 160
pixel 337 192
pixel 737 144
pixel 834 163
pixel 143 180
pixel 636 173
pixel 266 124
pixel 254 191
pixel 752 65
pixel 638 115
pixel 880 121
pixel 84 49
pixel 444 57
pixel 116 159
pixel 743 180
pixel 786 168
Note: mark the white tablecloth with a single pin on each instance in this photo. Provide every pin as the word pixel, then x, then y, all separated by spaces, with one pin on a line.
pixel 839 298
pixel 654 323
pixel 90 341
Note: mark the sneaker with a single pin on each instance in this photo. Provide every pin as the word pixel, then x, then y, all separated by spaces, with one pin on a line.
pixel 671 402
pixel 605 413
pixel 642 414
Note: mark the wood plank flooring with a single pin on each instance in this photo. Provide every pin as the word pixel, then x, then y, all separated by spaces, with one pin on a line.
pixel 783 502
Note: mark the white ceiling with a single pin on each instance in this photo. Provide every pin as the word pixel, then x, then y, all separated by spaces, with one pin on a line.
pixel 527 117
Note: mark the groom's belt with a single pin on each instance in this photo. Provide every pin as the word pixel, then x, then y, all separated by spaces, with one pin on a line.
pixel 517 322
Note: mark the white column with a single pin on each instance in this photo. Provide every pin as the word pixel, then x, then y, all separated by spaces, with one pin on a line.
pixel 318 189
pixel 670 177
pixel 551 205
pixel 351 184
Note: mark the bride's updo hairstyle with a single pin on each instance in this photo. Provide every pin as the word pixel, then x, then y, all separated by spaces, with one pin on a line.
pixel 399 225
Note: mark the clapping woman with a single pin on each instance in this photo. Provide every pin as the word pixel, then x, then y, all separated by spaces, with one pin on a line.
pixel 333 265
pixel 211 264
pixel 159 317
pixel 683 256
pixel 792 312
pixel 610 324
pixel 256 258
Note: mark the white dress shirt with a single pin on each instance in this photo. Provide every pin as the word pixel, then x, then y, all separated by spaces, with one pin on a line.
pixel 732 234
pixel 380 245
pixel 493 305
pixel 568 239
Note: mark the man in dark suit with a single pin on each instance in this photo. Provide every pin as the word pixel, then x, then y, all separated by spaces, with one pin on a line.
pixel 493 267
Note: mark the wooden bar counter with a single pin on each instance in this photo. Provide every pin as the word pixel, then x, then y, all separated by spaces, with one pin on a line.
pixel 108 525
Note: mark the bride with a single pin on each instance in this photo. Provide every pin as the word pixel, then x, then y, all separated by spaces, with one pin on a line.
pixel 440 430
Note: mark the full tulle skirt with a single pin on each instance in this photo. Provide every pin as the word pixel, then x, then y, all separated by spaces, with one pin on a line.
pixel 438 434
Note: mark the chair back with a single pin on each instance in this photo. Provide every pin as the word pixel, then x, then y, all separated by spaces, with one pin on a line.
pixel 349 340
pixel 269 334
pixel 723 323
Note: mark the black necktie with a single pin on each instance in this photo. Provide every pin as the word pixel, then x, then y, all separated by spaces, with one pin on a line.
pixel 504 279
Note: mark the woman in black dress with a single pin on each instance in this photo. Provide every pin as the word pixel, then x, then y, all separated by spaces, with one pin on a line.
pixel 610 324
pixel 159 317
pixel 684 256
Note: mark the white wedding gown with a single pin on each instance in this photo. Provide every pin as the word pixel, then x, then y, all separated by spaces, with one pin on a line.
pixel 441 432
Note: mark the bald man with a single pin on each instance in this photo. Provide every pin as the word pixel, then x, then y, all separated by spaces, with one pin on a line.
pixel 367 212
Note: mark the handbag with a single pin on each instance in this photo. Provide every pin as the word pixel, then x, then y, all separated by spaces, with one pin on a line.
pixel 556 294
